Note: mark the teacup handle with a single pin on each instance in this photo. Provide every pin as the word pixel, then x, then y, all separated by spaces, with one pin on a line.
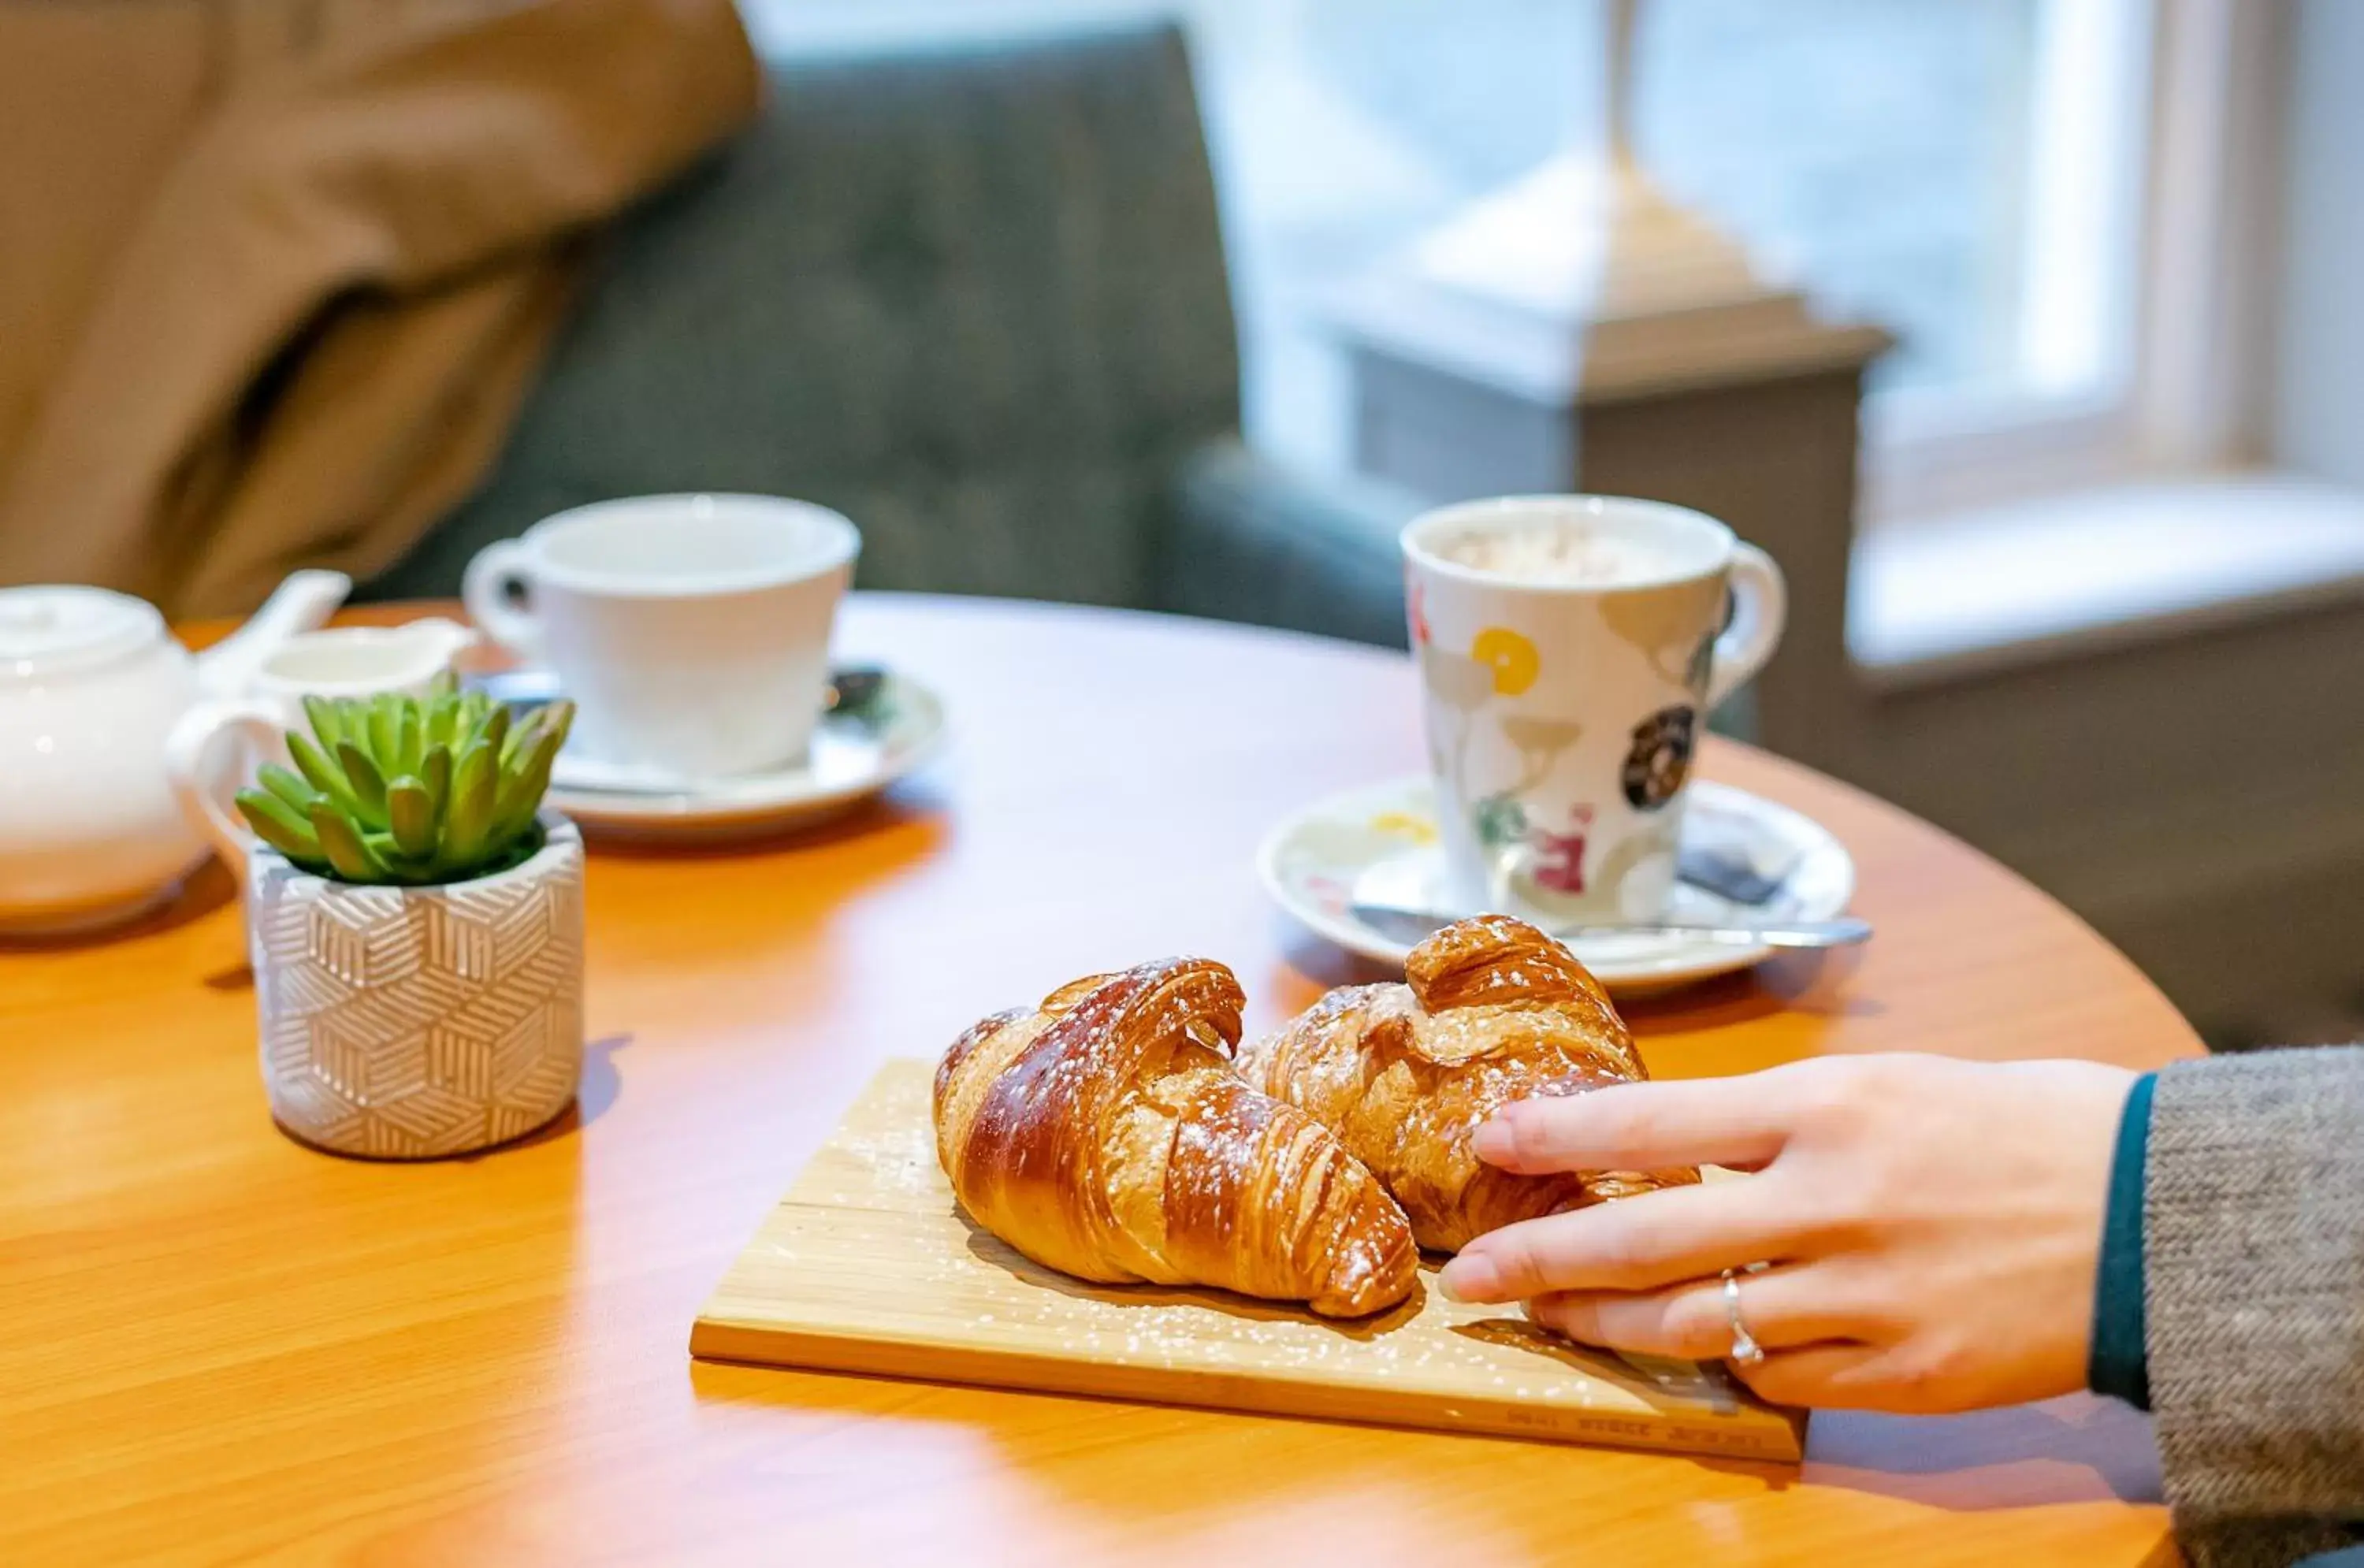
pixel 190 756
pixel 1760 607
pixel 488 587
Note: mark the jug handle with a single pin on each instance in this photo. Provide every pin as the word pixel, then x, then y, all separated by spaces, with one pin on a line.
pixel 302 603
pixel 191 760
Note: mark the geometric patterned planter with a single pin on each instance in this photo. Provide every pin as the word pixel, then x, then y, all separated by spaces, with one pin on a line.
pixel 407 1023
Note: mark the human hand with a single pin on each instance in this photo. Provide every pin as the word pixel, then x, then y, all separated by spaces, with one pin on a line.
pixel 1932 1226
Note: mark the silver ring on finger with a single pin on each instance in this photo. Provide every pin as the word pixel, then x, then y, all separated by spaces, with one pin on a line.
pixel 1745 1351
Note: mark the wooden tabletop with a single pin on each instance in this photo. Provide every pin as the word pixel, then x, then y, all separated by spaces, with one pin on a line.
pixel 218 1346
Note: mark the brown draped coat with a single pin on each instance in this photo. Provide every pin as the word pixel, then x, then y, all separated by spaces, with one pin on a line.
pixel 275 275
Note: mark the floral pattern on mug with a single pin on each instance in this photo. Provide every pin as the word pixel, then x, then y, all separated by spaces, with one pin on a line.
pixel 1559 857
pixel 1417 613
pixel 1328 893
pixel 1511 656
pixel 1660 759
pixel 1404 825
pixel 1498 820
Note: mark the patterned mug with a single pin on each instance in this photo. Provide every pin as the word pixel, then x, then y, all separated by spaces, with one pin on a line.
pixel 1570 649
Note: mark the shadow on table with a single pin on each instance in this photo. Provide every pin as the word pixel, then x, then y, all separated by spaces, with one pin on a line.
pixel 917 803
pixel 1814 984
pixel 2077 1450
pixel 1642 1378
pixel 599 1088
pixel 987 1248
pixel 201 892
pixel 1050 1463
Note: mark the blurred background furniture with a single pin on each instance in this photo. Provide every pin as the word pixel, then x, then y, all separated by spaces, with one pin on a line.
pixel 976 299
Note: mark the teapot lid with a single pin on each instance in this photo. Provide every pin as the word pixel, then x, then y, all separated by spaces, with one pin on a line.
pixel 50 628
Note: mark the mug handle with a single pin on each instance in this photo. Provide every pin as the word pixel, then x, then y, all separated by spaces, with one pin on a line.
pixel 190 758
pixel 498 570
pixel 1760 607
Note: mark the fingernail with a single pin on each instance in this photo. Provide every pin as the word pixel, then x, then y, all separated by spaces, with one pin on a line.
pixel 1494 1142
pixel 1470 1277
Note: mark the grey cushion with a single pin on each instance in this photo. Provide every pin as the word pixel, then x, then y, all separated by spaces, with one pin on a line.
pixel 1252 542
pixel 975 299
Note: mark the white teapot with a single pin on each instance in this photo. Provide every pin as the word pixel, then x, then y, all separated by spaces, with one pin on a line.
pixel 91 686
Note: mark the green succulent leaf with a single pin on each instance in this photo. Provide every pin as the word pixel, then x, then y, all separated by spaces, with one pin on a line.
pixel 385 746
pixel 435 772
pixel 468 819
pixel 326 724
pixel 522 783
pixel 281 826
pixel 400 869
pixel 404 790
pixel 522 793
pixel 341 842
pixel 368 784
pixel 322 774
pixel 317 771
pixel 296 792
pixel 521 737
pixel 492 729
pixel 410 812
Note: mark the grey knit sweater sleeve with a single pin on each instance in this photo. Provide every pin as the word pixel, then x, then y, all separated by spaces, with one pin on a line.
pixel 2253 1247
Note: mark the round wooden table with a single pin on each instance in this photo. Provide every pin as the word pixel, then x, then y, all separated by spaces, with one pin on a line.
pixel 219 1346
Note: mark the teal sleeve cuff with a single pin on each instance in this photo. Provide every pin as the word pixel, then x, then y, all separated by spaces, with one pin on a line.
pixel 2120 1366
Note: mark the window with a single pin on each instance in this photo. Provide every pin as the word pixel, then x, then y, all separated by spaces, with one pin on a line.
pixel 1956 170
pixel 1973 174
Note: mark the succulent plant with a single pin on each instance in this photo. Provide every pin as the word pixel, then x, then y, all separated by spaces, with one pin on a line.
pixel 407 790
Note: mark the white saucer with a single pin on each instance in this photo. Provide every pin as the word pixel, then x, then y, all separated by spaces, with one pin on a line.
pixel 855 755
pixel 1380 844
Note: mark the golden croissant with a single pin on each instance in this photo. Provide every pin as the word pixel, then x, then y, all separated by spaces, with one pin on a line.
pixel 1496 1011
pixel 1106 1134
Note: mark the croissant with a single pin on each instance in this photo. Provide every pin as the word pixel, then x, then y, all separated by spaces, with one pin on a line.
pixel 1496 1011
pixel 1106 1134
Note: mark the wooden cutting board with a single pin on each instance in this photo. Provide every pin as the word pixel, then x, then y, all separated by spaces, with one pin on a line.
pixel 869 1265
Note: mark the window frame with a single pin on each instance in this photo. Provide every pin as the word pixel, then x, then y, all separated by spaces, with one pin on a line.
pixel 2191 394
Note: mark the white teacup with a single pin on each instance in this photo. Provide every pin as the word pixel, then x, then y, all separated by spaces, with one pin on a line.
pixel 1570 649
pixel 345 662
pixel 692 631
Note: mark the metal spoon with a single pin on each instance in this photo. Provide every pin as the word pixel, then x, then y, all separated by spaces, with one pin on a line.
pixel 1416 925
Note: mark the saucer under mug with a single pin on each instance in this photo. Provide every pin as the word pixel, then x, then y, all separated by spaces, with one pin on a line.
pixel 879 728
pixel 1379 844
